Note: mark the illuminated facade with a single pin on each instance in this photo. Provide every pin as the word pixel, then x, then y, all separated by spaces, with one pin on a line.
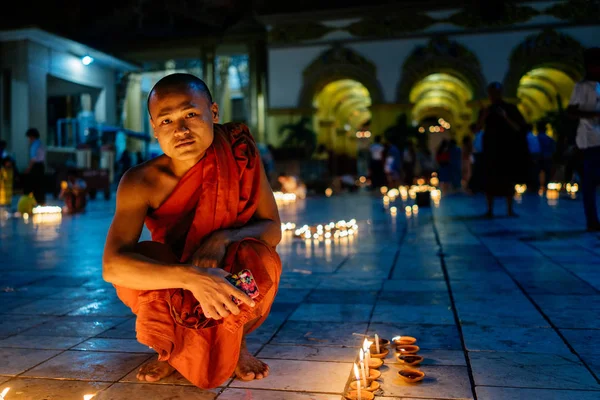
pixel 307 69
pixel 42 76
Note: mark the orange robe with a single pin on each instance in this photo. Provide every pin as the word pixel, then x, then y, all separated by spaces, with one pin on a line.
pixel 219 192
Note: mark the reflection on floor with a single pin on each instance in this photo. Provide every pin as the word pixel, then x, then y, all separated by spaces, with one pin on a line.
pixel 502 309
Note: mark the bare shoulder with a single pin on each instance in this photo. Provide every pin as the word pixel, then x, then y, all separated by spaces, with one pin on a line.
pixel 142 179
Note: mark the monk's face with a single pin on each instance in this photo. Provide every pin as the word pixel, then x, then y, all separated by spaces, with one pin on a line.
pixel 183 119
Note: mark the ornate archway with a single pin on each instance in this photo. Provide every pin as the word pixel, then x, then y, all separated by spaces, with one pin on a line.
pixel 441 55
pixel 338 63
pixel 548 49
pixel 542 73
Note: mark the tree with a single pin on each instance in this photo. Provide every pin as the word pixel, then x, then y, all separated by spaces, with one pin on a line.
pixel 299 138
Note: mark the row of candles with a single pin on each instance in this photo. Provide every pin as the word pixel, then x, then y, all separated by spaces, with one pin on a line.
pixel 331 230
pixel 6 390
pixel 370 359
pixel 553 190
pixel 406 192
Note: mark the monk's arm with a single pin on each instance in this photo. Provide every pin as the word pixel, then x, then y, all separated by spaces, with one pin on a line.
pixel 265 224
pixel 120 264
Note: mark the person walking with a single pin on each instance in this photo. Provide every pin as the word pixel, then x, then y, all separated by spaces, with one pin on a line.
pixel 36 169
pixel 505 149
pixel 585 105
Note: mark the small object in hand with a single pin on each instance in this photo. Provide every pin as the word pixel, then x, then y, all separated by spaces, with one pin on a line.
pixel 371 388
pixel 410 359
pixel 245 282
pixel 411 375
pixel 408 349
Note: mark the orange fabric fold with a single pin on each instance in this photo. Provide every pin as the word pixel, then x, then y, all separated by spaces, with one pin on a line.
pixel 221 191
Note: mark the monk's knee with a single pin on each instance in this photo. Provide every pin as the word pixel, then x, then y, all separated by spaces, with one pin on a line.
pixel 156 251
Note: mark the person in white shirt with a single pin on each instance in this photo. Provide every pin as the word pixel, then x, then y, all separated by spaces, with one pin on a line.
pixel 36 169
pixel 585 105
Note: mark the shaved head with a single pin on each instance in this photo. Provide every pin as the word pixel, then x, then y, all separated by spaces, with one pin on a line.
pixel 188 81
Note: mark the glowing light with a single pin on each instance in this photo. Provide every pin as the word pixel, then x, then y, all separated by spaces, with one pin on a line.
pixel 393 210
pixel 47 210
pixel 383 189
pixel 328 192
pixel 284 198
pixel 87 60
pixel 362 179
pixel 4 392
pixel 408 209
pixel 421 129
pixel 520 189
pixel 88 396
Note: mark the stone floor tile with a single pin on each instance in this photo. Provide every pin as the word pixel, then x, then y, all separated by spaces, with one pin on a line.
pixel 103 308
pixel 413 298
pixel 309 353
pixel 494 393
pixel 341 297
pixel 41 342
pixel 87 365
pixel 584 341
pixel 124 330
pixel 444 337
pixel 320 334
pixel 74 326
pixel 343 283
pixel 15 361
pixel 403 285
pixel 120 391
pixel 20 323
pixel 309 376
pixel 50 389
pixel 113 345
pixel 548 371
pixel 239 394
pixel 434 357
pixel 48 307
pixel 291 295
pixel 592 361
pixel 489 313
pixel 332 312
pixel 513 339
pixel 408 314
pixel 440 382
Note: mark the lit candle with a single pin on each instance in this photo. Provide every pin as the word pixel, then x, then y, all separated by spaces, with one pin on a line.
pixel 357 374
pixel 88 396
pixel 362 365
pixel 377 343
pixel 4 393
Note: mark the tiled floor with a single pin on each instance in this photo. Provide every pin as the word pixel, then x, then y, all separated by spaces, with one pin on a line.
pixel 502 309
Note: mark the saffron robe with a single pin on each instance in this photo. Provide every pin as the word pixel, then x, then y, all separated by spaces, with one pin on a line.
pixel 221 191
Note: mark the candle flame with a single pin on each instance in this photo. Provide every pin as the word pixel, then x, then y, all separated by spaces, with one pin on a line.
pixel 4 392
pixel 356 373
pixel 88 396
pixel 361 355
pixel 396 338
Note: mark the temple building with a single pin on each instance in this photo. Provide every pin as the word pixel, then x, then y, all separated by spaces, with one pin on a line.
pixel 339 73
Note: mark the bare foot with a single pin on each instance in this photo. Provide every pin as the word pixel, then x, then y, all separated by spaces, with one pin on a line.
pixel 154 371
pixel 249 367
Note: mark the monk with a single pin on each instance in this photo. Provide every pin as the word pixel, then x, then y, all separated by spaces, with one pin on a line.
pixel 211 211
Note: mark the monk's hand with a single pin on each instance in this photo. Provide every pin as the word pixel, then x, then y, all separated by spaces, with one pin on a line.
pixel 211 252
pixel 214 293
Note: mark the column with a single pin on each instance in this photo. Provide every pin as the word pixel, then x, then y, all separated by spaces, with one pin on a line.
pixel 257 52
